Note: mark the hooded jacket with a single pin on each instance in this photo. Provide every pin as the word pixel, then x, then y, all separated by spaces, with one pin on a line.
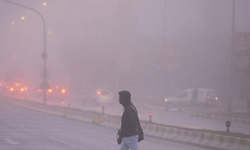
pixel 129 120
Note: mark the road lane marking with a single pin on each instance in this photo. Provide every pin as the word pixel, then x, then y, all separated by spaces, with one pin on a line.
pixel 9 141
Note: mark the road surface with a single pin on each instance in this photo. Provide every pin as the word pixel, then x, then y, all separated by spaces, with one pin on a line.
pixel 24 129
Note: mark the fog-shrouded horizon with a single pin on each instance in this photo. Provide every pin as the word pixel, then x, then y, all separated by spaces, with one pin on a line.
pixel 148 47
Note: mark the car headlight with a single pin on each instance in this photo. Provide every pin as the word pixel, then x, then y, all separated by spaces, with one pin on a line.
pixel 166 100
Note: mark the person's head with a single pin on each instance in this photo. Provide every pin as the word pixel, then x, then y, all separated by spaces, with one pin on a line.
pixel 124 97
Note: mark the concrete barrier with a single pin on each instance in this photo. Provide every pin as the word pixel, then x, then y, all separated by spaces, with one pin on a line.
pixel 155 130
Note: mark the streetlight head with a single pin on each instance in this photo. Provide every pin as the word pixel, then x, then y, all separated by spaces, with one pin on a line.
pixel 23 18
pixel 44 3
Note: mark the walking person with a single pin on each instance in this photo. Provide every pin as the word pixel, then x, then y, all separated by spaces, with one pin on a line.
pixel 130 124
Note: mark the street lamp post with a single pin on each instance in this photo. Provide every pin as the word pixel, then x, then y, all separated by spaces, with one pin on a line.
pixel 229 107
pixel 229 104
pixel 44 84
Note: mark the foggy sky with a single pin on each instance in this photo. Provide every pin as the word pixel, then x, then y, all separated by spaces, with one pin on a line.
pixel 125 44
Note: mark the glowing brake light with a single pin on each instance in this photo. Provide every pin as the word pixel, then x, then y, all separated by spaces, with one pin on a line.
pixel 1 84
pixel 26 88
pixel 17 84
pixel 56 87
pixel 39 90
pixel 11 89
pixel 216 98
pixel 208 97
pixel 49 90
pixel 98 92
pixel 63 91
pixel 22 89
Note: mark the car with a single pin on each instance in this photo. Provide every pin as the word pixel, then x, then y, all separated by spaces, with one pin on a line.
pixel 56 94
pixel 15 89
pixel 205 96
pixel 98 96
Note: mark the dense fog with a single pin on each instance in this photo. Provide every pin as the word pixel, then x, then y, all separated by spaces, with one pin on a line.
pixel 154 48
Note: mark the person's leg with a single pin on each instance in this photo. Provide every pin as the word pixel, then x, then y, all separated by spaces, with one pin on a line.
pixel 123 145
pixel 132 142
